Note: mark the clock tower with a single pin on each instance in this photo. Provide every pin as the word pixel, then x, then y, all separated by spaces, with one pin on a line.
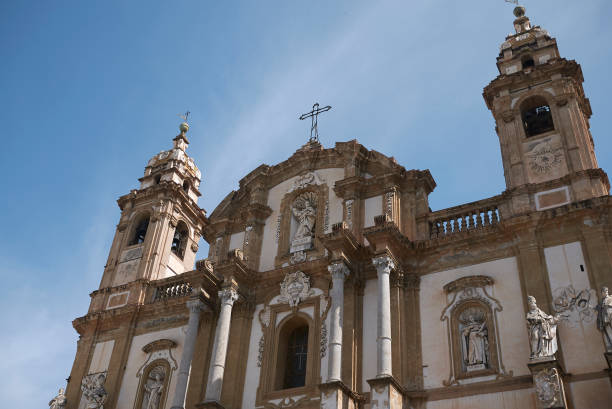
pixel 542 120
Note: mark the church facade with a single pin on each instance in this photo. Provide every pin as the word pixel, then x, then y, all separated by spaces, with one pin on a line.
pixel 330 283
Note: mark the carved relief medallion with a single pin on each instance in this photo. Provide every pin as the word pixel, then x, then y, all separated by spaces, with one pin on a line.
pixel 547 388
pixel 545 158
pixel 295 288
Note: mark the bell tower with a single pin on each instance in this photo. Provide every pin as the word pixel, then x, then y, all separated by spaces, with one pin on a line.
pixel 161 223
pixel 542 120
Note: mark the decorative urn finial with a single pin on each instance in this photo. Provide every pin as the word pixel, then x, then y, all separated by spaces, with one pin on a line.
pixel 184 127
pixel 519 11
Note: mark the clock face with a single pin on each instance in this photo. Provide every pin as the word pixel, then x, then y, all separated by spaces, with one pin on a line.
pixel 544 159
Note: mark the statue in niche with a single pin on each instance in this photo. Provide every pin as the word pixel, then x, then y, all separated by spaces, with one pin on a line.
pixel 542 331
pixel 304 210
pixel 604 317
pixel 153 388
pixel 59 402
pixel 475 342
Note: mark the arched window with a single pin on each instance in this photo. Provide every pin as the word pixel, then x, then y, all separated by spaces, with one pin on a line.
pixel 179 240
pixel 297 354
pixel 186 186
pixel 292 354
pixel 140 231
pixel 157 179
pixel 528 62
pixel 536 116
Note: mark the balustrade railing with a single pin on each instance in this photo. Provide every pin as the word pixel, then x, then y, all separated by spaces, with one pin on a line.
pixel 172 290
pixel 464 218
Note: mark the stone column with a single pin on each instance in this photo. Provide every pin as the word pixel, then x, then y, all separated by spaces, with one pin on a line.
pixel 217 362
pixel 383 265
pixel 338 271
pixel 195 307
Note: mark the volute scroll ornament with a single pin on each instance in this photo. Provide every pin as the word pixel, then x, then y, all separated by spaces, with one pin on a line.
pixel 383 264
pixel 228 296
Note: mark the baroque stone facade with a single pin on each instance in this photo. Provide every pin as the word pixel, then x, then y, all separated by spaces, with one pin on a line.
pixel 330 283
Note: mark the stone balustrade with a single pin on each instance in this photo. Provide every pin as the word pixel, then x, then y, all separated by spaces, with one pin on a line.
pixel 465 218
pixel 179 288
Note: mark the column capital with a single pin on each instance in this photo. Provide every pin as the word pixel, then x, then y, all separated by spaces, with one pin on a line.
pixel 338 270
pixel 228 296
pixel 195 305
pixel 383 264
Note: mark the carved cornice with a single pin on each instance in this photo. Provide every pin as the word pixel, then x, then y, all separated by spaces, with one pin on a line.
pixel 468 282
pixel 158 345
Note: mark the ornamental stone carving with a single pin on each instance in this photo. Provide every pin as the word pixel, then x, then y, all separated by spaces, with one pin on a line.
pixel 338 271
pixel 542 331
pixel 548 388
pixel 383 264
pixel 59 402
pixel 295 288
pixel 575 306
pixel 228 296
pixel 304 210
pixel 94 393
pixel 604 317
pixel 471 318
pixel 311 178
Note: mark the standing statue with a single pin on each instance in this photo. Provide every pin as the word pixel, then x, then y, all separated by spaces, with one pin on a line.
pixel 154 391
pixel 93 390
pixel 59 402
pixel 542 331
pixel 604 317
pixel 304 210
pixel 475 341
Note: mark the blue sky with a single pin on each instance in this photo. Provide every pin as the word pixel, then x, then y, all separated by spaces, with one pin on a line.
pixel 89 91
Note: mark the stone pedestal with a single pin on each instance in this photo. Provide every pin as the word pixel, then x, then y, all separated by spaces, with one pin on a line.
pixel 547 380
pixel 336 395
pixel 303 244
pixel 386 393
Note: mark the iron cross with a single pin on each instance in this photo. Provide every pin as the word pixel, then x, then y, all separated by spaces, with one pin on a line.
pixel 313 115
pixel 186 116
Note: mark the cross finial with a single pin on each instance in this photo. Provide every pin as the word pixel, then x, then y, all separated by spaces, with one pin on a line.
pixel 313 115
pixel 185 117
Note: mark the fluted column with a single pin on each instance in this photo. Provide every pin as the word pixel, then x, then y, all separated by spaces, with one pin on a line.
pixel 338 271
pixel 195 307
pixel 383 265
pixel 217 362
